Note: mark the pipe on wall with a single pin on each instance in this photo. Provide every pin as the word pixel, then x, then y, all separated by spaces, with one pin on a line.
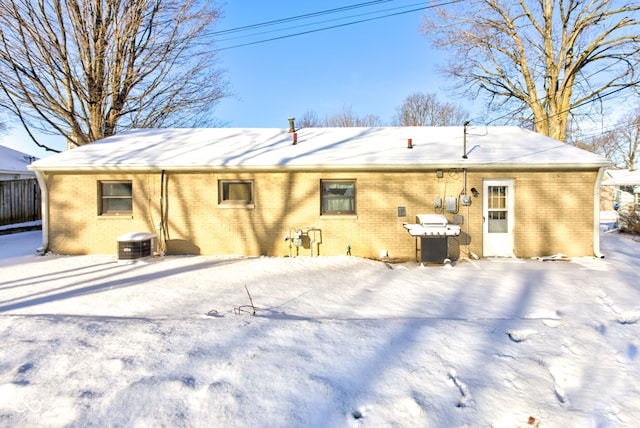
pixel 596 214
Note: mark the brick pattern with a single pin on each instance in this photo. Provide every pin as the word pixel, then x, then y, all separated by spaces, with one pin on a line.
pixel 553 213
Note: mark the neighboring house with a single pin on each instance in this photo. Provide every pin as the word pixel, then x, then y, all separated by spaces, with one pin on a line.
pixel 13 164
pixel 625 187
pixel 335 190
pixel 19 193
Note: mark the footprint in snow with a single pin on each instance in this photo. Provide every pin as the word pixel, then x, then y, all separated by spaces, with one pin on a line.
pixel 628 318
pixel 519 335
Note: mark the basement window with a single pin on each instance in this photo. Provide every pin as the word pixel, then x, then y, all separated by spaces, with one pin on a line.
pixel 338 197
pixel 115 198
pixel 235 193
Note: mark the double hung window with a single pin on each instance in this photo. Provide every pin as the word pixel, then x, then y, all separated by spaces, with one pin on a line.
pixel 115 198
pixel 338 197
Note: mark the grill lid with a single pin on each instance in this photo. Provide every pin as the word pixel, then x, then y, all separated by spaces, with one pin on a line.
pixel 432 220
pixel 432 224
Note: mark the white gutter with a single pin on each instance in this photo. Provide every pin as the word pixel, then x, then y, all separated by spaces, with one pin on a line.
pixel 44 206
pixel 472 167
pixel 596 214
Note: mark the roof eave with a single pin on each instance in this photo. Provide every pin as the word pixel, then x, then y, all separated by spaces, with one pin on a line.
pixel 489 166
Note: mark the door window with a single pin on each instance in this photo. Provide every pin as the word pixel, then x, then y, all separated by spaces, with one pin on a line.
pixel 497 209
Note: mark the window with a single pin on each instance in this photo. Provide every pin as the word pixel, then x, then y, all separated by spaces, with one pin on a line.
pixel 235 193
pixel 338 197
pixel 116 197
pixel 497 209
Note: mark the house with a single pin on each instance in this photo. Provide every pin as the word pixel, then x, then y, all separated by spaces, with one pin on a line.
pixel 624 187
pixel 13 164
pixel 324 191
pixel 19 193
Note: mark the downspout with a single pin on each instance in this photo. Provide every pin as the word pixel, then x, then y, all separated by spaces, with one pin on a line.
pixel 44 206
pixel 161 227
pixel 596 214
pixel 464 191
pixel 467 220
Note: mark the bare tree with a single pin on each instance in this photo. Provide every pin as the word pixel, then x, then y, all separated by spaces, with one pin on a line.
pixel 542 58
pixel 621 145
pixel 605 144
pixel 86 69
pixel 346 118
pixel 629 138
pixel 309 120
pixel 421 109
pixel 369 120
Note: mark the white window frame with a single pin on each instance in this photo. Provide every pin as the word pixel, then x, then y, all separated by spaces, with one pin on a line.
pixel 325 198
pixel 102 198
pixel 224 198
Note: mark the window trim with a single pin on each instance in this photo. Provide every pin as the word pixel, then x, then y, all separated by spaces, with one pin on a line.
pixel 102 212
pixel 236 203
pixel 338 213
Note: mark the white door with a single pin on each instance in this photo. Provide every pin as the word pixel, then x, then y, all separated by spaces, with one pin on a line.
pixel 497 214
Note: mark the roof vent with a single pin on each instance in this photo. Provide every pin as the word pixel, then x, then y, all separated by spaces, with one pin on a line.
pixel 292 126
pixel 409 143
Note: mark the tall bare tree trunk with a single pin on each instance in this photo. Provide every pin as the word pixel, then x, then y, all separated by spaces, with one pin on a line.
pixel 86 69
pixel 542 58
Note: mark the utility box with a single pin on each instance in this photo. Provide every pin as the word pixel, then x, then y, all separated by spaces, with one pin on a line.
pixel 451 204
pixel 297 238
pixel 136 245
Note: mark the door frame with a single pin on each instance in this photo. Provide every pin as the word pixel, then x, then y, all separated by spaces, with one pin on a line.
pixel 498 244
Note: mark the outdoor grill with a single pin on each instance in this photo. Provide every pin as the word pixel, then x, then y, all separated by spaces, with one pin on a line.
pixel 434 231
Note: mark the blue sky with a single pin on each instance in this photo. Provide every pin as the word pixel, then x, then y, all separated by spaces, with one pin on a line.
pixel 371 66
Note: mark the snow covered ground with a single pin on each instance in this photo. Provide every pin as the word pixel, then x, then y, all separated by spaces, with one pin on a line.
pixel 335 341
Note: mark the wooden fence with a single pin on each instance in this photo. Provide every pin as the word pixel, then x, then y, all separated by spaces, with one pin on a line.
pixel 19 201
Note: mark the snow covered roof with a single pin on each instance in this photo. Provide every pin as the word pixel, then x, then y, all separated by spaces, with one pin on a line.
pixel 623 177
pixel 14 162
pixel 321 148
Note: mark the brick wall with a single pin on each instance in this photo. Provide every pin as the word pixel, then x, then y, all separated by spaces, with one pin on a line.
pixel 553 213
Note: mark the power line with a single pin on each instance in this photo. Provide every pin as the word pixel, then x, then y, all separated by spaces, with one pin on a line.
pixel 582 104
pixel 356 6
pixel 320 22
pixel 333 26
pixel 299 17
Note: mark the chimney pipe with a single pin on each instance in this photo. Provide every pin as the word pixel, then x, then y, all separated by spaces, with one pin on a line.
pixel 292 126
pixel 410 143
pixel 295 138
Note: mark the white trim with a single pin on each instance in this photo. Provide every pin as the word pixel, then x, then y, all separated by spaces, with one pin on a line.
pixel 508 237
pixel 596 214
pixel 44 205
pixel 547 166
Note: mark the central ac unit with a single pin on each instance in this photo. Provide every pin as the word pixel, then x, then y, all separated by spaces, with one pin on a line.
pixel 136 245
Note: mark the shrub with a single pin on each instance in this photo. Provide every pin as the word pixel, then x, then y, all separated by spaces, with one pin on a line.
pixel 630 220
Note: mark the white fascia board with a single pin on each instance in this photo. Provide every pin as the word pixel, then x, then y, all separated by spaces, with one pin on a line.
pixel 321 167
